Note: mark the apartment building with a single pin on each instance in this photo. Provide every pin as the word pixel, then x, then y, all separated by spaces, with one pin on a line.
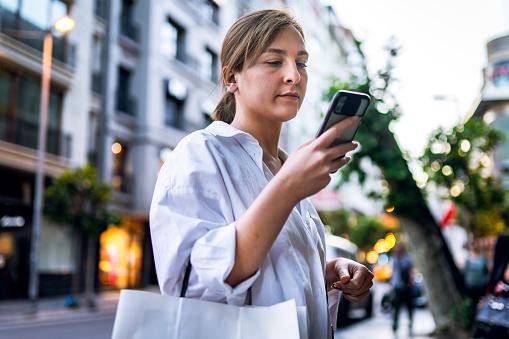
pixel 493 105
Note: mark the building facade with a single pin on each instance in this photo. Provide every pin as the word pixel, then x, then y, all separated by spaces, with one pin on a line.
pixel 493 105
pixel 128 83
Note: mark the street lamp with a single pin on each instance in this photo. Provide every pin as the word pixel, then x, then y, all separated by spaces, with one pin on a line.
pixel 64 25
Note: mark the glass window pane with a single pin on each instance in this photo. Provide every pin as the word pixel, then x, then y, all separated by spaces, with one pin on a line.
pixel 169 36
pixel 28 100
pixel 58 10
pixel 34 14
pixel 11 5
pixel 5 91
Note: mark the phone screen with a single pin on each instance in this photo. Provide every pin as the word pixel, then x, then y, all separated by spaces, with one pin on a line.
pixel 345 104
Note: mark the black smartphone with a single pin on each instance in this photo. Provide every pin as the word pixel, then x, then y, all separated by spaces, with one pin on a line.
pixel 345 104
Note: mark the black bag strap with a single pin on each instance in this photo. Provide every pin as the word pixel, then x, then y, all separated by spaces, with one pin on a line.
pixel 183 290
pixel 185 283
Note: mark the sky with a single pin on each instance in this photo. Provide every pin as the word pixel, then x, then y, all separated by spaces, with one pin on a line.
pixel 443 52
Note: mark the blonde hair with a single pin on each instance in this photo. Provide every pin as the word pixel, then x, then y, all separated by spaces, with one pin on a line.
pixel 244 42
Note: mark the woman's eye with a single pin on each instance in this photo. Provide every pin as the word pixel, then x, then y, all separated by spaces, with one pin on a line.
pixel 274 63
pixel 301 65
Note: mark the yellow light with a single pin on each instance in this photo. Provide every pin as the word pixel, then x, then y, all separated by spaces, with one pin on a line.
pixel 380 246
pixel 64 24
pixel 361 256
pixel 116 148
pixel 455 191
pixel 390 241
pixel 105 266
pixel 389 209
pixel 372 257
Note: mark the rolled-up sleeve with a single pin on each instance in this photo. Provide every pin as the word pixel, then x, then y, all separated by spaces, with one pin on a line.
pixel 191 219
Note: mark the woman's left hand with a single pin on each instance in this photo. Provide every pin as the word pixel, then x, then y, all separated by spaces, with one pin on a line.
pixel 350 277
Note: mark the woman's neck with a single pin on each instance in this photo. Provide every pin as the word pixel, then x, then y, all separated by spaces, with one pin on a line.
pixel 266 132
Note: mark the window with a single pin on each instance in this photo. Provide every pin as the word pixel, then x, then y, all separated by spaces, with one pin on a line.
pixel 125 103
pixel 31 15
pixel 209 65
pixel 19 112
pixel 173 41
pixel 211 10
pixel 127 27
pixel 174 112
pixel 92 139
pixel 100 8
pixel 122 168
pixel 97 58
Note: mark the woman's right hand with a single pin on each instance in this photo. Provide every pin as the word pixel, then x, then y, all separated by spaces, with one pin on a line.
pixel 308 169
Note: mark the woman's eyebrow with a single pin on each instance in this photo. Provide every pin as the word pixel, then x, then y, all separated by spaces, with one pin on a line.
pixel 283 52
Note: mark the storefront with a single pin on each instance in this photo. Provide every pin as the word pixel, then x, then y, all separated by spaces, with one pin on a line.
pixel 125 255
pixel 15 226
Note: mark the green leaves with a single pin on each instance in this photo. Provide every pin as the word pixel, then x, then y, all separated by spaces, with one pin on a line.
pixel 77 197
pixel 460 162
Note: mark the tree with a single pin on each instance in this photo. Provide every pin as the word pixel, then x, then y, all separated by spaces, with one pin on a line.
pixel 78 198
pixel 459 163
pixel 362 230
pixel 378 144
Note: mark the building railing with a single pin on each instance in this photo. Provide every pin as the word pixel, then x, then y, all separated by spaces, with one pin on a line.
pixel 22 30
pixel 25 133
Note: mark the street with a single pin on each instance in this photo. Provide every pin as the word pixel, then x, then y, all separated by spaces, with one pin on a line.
pixel 53 321
pixel 91 327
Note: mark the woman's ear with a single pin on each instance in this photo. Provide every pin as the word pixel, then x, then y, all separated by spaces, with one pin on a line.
pixel 229 80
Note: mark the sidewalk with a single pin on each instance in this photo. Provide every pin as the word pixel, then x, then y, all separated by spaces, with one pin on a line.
pixel 16 313
pixel 380 327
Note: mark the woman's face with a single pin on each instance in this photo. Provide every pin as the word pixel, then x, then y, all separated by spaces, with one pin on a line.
pixel 274 86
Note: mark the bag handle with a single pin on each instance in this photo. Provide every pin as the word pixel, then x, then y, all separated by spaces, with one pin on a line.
pixel 183 290
pixel 185 283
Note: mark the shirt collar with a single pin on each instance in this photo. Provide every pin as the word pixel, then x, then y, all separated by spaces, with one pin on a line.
pixel 250 144
pixel 222 129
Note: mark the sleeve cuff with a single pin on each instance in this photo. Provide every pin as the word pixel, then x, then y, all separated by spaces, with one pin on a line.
pixel 212 257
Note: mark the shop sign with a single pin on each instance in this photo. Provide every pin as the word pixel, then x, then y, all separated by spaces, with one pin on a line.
pixel 12 221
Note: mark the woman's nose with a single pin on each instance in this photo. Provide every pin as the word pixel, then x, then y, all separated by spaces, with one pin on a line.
pixel 292 75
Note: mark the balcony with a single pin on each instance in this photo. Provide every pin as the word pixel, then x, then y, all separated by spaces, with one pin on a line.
pixel 26 32
pixel 25 133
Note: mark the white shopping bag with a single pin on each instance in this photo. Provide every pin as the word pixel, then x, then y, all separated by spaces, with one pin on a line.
pixel 142 315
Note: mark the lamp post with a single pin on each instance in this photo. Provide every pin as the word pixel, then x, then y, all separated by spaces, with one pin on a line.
pixel 64 25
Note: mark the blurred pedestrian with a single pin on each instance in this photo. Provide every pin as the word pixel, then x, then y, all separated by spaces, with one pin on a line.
pixel 231 206
pixel 475 273
pixel 402 281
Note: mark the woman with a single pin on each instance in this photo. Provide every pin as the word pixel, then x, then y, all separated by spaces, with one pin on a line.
pixel 231 205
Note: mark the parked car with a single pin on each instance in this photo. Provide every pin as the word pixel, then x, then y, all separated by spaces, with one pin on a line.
pixel 348 312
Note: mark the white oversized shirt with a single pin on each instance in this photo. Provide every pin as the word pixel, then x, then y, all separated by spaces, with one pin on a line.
pixel 204 187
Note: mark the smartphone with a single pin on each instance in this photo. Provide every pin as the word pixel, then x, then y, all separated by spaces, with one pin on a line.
pixel 345 104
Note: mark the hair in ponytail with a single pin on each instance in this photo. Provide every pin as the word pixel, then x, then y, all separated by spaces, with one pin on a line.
pixel 244 42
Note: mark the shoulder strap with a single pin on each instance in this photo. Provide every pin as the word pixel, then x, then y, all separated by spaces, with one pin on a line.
pixel 185 283
pixel 186 280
